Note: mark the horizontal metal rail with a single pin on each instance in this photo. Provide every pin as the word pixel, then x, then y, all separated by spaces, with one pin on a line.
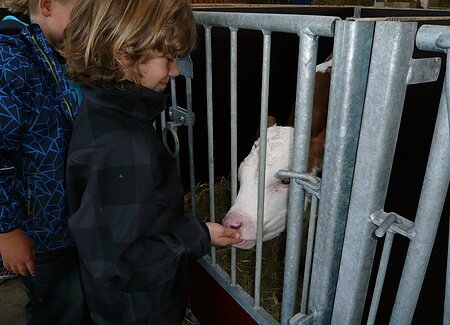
pixel 316 25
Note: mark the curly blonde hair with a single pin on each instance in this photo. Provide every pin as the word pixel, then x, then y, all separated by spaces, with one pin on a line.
pixel 102 31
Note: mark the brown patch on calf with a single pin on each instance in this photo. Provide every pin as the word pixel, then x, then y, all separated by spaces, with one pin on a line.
pixel 319 119
pixel 271 121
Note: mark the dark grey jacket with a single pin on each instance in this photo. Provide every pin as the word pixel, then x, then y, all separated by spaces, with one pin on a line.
pixel 126 204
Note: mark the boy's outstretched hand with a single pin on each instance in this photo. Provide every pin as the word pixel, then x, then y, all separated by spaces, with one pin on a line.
pixel 222 236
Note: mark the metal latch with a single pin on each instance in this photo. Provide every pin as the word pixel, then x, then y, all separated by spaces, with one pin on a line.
pixel 423 70
pixel 179 116
pixel 309 182
pixel 390 221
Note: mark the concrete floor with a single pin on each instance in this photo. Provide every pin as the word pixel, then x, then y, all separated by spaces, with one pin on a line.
pixel 12 301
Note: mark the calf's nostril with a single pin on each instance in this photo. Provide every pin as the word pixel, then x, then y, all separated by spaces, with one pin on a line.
pixel 236 225
pixel 231 222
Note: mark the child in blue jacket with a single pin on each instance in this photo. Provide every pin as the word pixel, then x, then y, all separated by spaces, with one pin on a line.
pixel 37 112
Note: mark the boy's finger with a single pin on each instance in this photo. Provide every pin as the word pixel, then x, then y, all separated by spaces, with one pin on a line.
pixel 232 240
pixel 22 270
pixel 31 268
pixel 228 232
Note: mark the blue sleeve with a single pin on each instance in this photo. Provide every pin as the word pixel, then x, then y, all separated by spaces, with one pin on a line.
pixel 11 135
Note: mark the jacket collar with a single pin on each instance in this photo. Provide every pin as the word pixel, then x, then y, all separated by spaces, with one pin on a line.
pixel 141 103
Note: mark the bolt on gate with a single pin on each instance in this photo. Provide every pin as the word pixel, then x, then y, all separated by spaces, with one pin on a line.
pixel 367 96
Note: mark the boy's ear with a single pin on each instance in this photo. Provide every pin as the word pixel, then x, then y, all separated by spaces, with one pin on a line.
pixel 123 62
pixel 124 65
pixel 45 7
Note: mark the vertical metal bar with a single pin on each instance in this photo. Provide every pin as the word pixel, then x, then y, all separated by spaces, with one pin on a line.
pixel 351 56
pixel 428 215
pixel 233 126
pixel 307 58
pixel 309 250
pixel 262 163
pixel 191 143
pixel 436 38
pixel 163 120
pixel 386 89
pixel 447 285
pixel 380 277
pixel 173 91
pixel 173 95
pixel 209 108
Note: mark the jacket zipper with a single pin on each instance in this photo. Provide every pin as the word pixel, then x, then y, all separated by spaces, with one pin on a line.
pixel 29 202
pixel 54 76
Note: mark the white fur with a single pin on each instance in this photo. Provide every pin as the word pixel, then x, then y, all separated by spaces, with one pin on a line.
pixel 278 156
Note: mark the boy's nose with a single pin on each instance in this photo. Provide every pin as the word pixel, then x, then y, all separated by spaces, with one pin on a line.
pixel 174 71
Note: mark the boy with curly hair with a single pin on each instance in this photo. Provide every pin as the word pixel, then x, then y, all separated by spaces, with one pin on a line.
pixel 125 196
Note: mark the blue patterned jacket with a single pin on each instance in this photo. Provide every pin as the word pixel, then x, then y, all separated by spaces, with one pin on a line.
pixel 37 109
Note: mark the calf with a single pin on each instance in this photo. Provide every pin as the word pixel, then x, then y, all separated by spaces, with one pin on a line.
pixel 243 214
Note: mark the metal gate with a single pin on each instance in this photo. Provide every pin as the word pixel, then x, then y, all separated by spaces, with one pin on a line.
pixel 366 101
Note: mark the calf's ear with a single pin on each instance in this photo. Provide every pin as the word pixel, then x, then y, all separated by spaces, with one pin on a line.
pixel 271 121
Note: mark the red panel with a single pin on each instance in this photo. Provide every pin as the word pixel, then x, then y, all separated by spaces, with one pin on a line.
pixel 210 303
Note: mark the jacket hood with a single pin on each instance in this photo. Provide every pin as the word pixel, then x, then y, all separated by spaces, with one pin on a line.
pixel 141 103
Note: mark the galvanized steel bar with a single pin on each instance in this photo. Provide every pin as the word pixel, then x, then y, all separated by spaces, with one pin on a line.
pixel 351 56
pixel 173 93
pixel 447 286
pixel 386 89
pixel 307 58
pixel 262 163
pixel 309 251
pixel 437 38
pixel 191 144
pixel 433 38
pixel 315 25
pixel 428 215
pixel 185 67
pixel 233 126
pixel 384 261
pixel 209 108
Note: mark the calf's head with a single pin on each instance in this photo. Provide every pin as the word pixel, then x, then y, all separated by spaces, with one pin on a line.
pixel 242 215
